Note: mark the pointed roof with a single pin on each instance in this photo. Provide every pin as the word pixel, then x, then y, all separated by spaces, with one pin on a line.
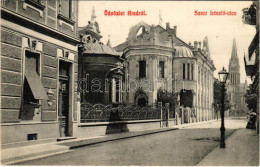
pixel 160 17
pixel 234 49
pixel 108 42
pixel 93 15
pixel 234 61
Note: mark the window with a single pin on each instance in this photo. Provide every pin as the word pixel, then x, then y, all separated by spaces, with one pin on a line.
pixel 199 74
pixel 161 69
pixel 66 8
pixel 202 77
pixel 183 68
pixel 199 100
pixel 117 90
pixel 33 88
pixel 36 3
pixel 192 71
pixel 188 70
pixel 33 136
pixel 142 69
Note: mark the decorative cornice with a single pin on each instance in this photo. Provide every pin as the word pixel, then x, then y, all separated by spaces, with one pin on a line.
pixel 26 22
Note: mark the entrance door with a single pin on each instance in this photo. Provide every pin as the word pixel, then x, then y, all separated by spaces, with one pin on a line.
pixel 64 98
pixel 142 102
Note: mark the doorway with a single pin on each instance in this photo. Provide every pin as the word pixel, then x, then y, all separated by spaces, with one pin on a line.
pixel 64 96
pixel 142 102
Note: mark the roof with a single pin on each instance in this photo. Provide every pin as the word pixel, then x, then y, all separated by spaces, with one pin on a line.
pixel 96 48
pixel 182 51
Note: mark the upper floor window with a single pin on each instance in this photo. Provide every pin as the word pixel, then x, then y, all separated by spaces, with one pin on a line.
pixel 36 3
pixel 188 69
pixel 161 69
pixel 66 8
pixel 192 71
pixel 142 69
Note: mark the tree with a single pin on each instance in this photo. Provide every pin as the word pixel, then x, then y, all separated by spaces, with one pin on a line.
pixel 167 97
pixel 251 98
pixel 218 97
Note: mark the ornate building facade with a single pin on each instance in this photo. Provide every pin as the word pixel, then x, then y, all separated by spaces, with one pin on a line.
pixel 157 59
pixel 235 89
pixel 100 67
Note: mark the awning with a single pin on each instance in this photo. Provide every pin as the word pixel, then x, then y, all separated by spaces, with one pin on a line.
pixel 36 85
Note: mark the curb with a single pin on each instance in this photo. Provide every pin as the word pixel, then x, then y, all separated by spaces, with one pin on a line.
pixel 87 142
pixel 126 135
pixel 37 157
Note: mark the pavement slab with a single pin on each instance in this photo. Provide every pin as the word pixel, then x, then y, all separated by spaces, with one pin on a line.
pixel 242 149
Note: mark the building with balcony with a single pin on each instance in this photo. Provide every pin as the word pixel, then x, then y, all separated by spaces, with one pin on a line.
pixel 39 69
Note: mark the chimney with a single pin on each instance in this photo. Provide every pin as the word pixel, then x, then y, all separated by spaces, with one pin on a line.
pixel 196 45
pixel 167 26
pixel 199 45
pixel 175 30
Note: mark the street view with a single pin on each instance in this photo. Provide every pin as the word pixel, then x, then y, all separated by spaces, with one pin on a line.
pixel 129 83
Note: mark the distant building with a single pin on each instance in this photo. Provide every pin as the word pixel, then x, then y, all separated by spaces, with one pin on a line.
pixel 157 59
pixel 38 71
pixel 235 89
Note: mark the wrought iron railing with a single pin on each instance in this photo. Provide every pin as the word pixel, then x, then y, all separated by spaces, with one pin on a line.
pixel 102 113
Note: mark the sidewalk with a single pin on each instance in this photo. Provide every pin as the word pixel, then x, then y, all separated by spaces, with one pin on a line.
pixel 15 155
pixel 242 149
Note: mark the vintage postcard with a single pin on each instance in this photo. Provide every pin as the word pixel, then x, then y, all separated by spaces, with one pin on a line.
pixel 129 83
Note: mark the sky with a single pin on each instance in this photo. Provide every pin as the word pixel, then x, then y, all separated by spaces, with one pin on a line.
pixel 220 30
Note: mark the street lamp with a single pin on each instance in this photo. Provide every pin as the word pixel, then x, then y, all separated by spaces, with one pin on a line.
pixel 222 78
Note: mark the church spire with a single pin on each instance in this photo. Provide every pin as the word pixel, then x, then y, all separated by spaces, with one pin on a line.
pixel 234 68
pixel 234 49
pixel 160 17
pixel 93 15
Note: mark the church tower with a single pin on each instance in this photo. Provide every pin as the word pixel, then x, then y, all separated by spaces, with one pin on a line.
pixel 234 68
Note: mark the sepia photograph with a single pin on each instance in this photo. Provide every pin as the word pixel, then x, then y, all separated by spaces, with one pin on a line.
pixel 129 83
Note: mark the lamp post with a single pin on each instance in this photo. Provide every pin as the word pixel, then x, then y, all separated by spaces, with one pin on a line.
pixel 223 78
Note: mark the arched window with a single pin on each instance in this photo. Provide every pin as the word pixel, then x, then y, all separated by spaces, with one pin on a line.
pixel 161 69
pixel 141 32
